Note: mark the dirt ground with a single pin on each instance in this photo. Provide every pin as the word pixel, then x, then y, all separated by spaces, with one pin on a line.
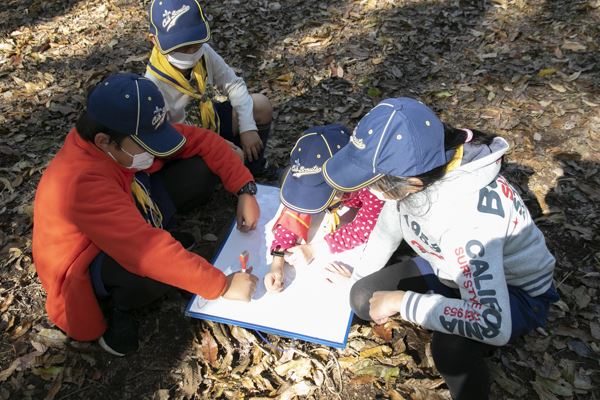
pixel 526 70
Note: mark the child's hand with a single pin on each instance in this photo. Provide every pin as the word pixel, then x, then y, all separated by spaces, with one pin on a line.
pixel 251 144
pixel 248 212
pixel 384 304
pixel 240 286
pixel 274 281
pixel 337 272
pixel 304 254
pixel 299 256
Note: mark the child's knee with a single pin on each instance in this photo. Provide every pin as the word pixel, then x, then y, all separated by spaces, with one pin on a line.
pixel 446 344
pixel 145 292
pixel 263 110
pixel 359 301
pixel 452 352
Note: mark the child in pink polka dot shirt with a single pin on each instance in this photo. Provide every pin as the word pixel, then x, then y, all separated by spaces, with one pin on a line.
pixel 304 193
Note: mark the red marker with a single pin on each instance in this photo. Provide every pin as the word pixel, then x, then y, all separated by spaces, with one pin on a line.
pixel 244 260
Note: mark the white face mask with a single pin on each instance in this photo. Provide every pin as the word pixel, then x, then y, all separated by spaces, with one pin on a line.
pixel 140 161
pixel 184 60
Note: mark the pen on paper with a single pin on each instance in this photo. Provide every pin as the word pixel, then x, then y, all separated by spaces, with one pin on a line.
pixel 244 260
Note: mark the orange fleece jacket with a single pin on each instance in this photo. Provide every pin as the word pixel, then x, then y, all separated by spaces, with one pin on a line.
pixel 83 205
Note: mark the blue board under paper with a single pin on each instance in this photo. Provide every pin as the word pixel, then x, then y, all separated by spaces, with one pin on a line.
pixel 309 308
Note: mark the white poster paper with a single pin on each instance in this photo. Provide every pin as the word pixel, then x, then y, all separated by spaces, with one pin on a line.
pixel 310 307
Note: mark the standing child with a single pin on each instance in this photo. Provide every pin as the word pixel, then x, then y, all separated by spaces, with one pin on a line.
pixel 304 193
pixel 185 67
pixel 484 274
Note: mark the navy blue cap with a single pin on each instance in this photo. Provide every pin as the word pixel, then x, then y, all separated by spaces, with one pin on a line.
pixel 132 105
pixel 303 188
pixel 401 137
pixel 177 23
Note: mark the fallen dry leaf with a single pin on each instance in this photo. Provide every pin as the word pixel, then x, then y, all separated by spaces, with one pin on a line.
pixel 376 352
pixel 209 348
pixel 573 46
pixel 303 388
pixel 383 331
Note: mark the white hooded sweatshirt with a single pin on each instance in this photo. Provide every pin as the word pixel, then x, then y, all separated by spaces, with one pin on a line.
pixel 475 231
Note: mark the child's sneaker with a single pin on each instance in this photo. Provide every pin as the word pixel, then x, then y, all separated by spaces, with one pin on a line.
pixel 121 337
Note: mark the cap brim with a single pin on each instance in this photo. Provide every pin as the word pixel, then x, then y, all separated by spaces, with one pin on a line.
pixel 344 175
pixel 163 142
pixel 309 199
pixel 186 37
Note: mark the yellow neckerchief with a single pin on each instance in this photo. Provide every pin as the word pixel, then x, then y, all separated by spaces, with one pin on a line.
pixel 456 159
pixel 332 219
pixel 153 214
pixel 160 67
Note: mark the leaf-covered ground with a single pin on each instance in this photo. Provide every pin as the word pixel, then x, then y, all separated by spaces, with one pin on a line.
pixel 528 70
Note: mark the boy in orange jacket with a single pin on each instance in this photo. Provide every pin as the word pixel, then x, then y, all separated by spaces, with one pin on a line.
pixel 99 240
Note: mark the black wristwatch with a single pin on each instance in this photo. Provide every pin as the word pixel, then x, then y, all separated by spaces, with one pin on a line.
pixel 248 188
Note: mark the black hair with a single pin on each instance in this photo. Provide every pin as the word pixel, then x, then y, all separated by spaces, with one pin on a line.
pixel 395 187
pixel 87 128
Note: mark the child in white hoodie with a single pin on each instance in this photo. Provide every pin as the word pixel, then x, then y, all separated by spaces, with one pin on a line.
pixel 484 275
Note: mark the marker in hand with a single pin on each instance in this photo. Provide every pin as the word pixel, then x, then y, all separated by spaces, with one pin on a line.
pixel 244 260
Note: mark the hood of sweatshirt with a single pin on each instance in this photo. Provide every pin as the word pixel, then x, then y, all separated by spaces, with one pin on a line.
pixel 480 165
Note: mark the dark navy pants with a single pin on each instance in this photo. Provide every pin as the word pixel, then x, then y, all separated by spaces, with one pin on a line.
pixel 225 113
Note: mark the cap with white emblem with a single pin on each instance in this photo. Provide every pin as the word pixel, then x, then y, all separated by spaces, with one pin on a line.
pixel 134 106
pixel 177 23
pixel 303 188
pixel 400 137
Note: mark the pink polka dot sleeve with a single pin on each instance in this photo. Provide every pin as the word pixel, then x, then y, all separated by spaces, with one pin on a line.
pixel 358 231
pixel 283 239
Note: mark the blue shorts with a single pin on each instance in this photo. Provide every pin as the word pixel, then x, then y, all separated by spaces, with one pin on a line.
pixel 527 313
